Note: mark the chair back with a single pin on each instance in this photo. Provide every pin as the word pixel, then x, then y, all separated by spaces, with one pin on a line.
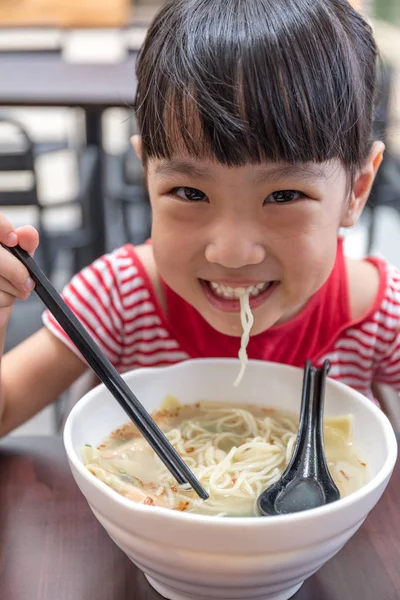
pixel 16 158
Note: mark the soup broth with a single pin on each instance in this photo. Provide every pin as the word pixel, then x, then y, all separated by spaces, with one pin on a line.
pixel 236 451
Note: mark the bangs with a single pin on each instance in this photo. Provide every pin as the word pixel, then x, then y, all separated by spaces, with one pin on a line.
pixel 257 80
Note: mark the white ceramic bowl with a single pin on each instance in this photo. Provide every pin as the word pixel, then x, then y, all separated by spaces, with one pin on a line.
pixel 188 556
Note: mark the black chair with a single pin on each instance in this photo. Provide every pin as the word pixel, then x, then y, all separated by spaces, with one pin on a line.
pixel 20 157
pixel 127 191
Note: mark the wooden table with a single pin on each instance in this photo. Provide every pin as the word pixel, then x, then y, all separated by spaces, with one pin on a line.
pixel 45 79
pixel 52 547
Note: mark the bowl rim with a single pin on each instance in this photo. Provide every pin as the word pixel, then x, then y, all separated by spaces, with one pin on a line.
pixel 351 500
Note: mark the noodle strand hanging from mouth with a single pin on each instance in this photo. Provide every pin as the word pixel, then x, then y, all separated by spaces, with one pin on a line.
pixel 247 319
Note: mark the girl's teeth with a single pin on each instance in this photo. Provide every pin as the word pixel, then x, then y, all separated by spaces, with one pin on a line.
pixel 229 292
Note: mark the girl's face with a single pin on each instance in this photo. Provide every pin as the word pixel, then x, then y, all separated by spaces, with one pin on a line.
pixel 271 228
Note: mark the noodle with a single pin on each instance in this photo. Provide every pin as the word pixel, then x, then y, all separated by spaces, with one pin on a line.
pixel 235 451
pixel 247 319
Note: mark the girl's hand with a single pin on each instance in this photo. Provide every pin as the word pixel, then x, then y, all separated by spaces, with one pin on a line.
pixel 14 277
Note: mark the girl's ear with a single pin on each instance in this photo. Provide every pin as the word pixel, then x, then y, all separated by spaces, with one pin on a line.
pixel 136 141
pixel 362 185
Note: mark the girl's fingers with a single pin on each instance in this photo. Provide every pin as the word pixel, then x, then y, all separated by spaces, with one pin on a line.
pixel 13 271
pixel 28 238
pixel 8 288
pixel 14 277
pixel 6 300
pixel 8 235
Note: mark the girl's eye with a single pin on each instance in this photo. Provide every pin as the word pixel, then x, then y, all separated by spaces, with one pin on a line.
pixel 189 194
pixel 283 197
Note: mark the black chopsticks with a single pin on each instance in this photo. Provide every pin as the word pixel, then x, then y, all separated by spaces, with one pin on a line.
pixel 107 373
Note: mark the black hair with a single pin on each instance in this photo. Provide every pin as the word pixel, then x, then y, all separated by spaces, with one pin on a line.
pixel 257 80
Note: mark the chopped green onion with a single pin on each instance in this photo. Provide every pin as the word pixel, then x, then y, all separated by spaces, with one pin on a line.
pixel 88 445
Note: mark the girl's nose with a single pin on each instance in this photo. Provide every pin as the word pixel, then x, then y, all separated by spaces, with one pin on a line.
pixel 234 248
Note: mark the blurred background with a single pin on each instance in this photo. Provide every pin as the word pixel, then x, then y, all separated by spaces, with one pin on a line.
pixel 67 83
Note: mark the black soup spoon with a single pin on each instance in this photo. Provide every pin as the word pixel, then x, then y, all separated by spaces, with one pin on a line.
pixel 306 483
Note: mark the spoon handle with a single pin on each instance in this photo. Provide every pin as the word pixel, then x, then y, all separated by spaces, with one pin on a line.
pixel 319 395
pixel 302 453
pixel 308 455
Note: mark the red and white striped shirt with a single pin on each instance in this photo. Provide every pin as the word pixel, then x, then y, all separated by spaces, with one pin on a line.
pixel 115 301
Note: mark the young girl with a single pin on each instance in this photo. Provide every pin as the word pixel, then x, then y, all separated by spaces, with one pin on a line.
pixel 255 120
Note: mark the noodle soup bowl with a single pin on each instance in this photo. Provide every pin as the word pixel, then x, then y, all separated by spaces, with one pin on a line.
pixel 194 557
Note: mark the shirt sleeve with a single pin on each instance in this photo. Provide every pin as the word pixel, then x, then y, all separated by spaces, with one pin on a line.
pixel 389 367
pixel 94 296
pixel 387 351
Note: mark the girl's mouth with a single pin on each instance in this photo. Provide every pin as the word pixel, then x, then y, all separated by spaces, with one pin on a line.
pixel 226 297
